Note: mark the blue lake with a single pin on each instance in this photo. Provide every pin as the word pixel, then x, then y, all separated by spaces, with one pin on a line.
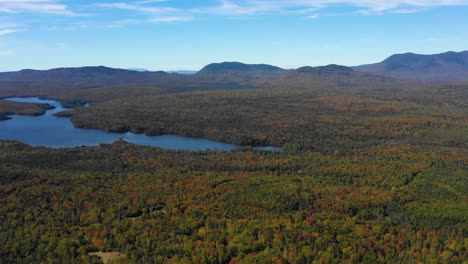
pixel 58 132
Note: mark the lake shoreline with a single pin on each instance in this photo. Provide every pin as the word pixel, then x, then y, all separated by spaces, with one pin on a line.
pixel 93 136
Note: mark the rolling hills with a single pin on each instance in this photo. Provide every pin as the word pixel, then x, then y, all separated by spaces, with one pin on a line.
pixel 99 75
pixel 449 67
pixel 438 68
pixel 330 76
pixel 237 69
pixel 373 169
pixel 228 75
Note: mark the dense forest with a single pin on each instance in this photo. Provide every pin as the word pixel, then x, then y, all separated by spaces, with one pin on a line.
pixel 14 108
pixel 372 170
pixel 376 205
pixel 299 119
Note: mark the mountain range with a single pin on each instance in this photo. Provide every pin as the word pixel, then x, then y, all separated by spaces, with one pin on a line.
pixel 438 68
pixel 237 69
pixel 99 75
pixel 227 75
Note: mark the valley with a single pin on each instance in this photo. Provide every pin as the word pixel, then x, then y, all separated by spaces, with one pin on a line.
pixel 373 169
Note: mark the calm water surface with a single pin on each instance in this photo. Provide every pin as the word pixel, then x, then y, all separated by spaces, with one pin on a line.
pixel 57 132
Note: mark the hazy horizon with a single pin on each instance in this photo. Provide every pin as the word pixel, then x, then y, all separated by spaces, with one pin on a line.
pixel 140 69
pixel 187 35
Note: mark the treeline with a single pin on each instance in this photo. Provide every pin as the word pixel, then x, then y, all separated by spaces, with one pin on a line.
pixel 368 175
pixel 293 119
pixel 15 108
pixel 385 204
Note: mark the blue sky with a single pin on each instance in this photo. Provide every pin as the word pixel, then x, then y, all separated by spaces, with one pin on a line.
pixel 188 34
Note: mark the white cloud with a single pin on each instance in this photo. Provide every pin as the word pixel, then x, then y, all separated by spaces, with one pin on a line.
pixel 151 1
pixel 227 7
pixel 5 23
pixel 239 7
pixel 437 40
pixel 167 19
pixel 7 31
pixel 405 11
pixel 160 19
pixel 137 7
pixel 156 14
pixel 6 10
pixel 124 22
pixel 306 8
pixel 68 26
pixel 35 6
pixel 5 53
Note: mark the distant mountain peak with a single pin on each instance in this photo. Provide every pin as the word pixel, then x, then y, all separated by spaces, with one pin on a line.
pixel 138 69
pixel 88 74
pixel 185 72
pixel 240 69
pixel 444 67
pixel 332 76
pixel 328 69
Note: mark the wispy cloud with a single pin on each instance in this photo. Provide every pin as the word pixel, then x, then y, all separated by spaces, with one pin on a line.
pixel 237 7
pixel 7 26
pixel 5 53
pixel 7 31
pixel 161 19
pixel 406 10
pixel 315 16
pixel 67 27
pixel 6 10
pixel 167 19
pixel 154 13
pixel 35 6
pixel 437 40
pixel 152 1
pixel 227 7
pixel 137 7
pixel 305 8
pixel 165 11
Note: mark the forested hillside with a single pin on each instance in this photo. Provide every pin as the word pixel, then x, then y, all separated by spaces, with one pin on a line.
pixel 384 204
pixel 15 108
pixel 320 118
pixel 373 170
pixel 437 68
